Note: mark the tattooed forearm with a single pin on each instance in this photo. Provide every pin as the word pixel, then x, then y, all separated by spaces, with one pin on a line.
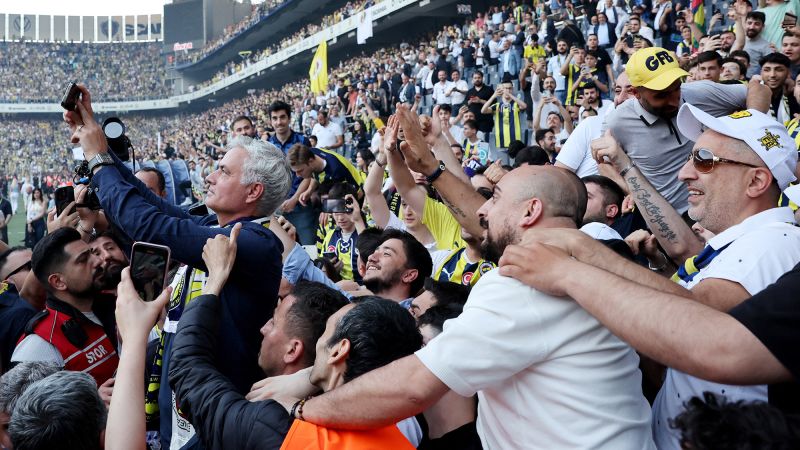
pixel 652 212
pixel 454 209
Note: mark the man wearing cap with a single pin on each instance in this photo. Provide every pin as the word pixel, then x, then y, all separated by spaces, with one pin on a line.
pixel 646 129
pixel 738 167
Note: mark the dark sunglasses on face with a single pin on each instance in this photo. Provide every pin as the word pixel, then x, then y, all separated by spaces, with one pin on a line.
pixel 704 160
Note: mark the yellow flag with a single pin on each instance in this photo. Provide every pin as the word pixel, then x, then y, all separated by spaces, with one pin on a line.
pixel 318 73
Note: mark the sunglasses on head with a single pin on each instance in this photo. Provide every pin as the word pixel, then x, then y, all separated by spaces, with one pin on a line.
pixel 704 160
pixel 26 266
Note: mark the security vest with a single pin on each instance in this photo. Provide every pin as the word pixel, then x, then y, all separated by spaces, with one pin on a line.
pixel 307 436
pixel 83 344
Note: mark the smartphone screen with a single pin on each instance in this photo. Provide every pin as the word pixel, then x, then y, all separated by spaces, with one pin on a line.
pixel 335 205
pixel 149 269
pixel 64 196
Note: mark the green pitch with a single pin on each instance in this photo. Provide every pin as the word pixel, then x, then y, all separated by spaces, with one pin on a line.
pixel 16 228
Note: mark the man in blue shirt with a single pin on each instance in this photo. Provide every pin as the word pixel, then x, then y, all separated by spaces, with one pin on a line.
pixel 321 165
pixel 304 217
pixel 252 180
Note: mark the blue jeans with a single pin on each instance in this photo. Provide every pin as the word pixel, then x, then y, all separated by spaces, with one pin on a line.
pixel 305 219
pixel 561 96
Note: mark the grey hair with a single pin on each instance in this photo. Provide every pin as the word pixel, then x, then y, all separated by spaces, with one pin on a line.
pixel 14 382
pixel 62 410
pixel 267 165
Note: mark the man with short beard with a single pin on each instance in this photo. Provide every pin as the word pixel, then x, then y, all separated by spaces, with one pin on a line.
pixel 398 267
pixel 749 25
pixel 107 247
pixel 527 351
pixel 74 331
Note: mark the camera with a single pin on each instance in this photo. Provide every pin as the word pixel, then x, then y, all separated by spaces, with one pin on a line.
pixel 114 130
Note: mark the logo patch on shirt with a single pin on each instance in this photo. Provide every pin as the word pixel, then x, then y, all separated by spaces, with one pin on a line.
pixel 466 278
pixel 485 267
pixel 769 140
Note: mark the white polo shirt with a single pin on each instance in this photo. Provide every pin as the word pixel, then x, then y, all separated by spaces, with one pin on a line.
pixel 548 374
pixel 326 136
pixel 762 248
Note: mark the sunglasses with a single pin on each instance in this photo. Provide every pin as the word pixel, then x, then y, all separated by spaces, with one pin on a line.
pixel 703 160
pixel 26 266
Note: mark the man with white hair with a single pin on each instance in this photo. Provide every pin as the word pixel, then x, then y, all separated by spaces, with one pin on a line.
pixel 251 182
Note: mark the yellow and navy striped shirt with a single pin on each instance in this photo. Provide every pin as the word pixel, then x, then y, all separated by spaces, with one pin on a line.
pixel 457 269
pixel 345 250
pixel 506 123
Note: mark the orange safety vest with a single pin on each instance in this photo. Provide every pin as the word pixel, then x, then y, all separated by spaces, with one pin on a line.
pixel 307 436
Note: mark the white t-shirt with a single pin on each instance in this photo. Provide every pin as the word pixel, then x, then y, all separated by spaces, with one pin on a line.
pixel 547 374
pixel 439 90
pixel 326 136
pixel 576 153
pixel 762 248
pixel 457 98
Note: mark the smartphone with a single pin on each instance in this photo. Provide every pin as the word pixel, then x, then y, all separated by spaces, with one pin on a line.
pixel 329 255
pixel 71 96
pixel 789 20
pixel 149 263
pixel 63 197
pixel 335 205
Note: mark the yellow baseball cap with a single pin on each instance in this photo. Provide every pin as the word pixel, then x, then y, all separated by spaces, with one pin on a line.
pixel 655 68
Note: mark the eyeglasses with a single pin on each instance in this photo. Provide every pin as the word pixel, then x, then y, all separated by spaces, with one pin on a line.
pixel 26 266
pixel 703 160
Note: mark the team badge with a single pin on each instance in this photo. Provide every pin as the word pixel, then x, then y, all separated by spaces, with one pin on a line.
pixel 769 140
pixel 485 267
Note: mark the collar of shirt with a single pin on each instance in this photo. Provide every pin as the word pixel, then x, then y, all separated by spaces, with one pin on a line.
pixel 649 118
pixel 772 215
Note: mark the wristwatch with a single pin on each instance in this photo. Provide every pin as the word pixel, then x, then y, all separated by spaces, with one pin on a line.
pixel 101 159
pixel 436 174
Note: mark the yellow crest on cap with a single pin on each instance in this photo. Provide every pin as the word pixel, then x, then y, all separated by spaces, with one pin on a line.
pixel 769 140
pixel 740 114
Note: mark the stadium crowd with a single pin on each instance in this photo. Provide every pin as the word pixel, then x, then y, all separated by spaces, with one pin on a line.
pixel 348 10
pixel 385 264
pixel 259 12
pixel 138 73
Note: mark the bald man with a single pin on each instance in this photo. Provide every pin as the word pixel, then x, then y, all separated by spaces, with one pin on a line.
pixel 547 374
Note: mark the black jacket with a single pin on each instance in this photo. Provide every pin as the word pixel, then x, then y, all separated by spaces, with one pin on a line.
pixel 221 416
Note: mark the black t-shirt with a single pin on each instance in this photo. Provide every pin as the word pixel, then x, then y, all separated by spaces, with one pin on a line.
pixel 464 437
pixel 485 121
pixel 5 207
pixel 603 60
pixel 773 316
pixel 468 54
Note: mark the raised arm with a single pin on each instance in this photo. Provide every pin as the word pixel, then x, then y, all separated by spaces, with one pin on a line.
pixel 372 193
pixel 670 329
pixel 398 170
pixel 462 200
pixel 667 225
